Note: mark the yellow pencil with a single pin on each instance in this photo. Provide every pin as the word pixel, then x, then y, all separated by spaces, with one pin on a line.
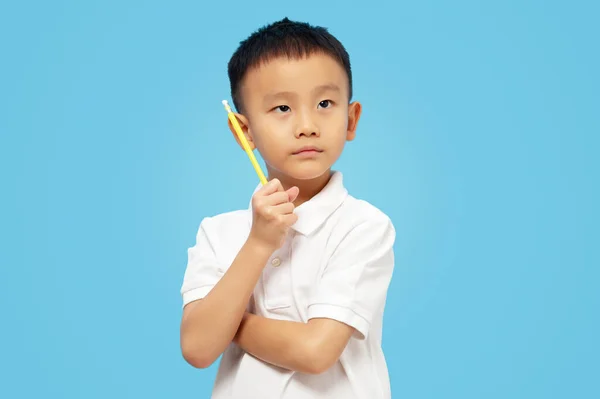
pixel 244 142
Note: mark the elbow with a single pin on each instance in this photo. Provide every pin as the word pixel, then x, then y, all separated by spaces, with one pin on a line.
pixel 318 365
pixel 315 369
pixel 198 356
pixel 317 360
pixel 199 359
pixel 198 347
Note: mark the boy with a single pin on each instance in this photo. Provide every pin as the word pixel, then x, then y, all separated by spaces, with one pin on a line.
pixel 292 290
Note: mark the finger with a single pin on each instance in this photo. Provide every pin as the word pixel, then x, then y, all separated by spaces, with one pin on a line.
pixel 293 193
pixel 271 187
pixel 276 198
pixel 290 219
pixel 283 209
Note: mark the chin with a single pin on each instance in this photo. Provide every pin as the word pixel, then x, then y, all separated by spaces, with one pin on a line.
pixel 306 172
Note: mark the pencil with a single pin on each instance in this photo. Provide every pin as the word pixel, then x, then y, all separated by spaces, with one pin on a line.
pixel 244 142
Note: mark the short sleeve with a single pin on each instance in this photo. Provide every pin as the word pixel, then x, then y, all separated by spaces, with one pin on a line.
pixel 202 272
pixel 354 284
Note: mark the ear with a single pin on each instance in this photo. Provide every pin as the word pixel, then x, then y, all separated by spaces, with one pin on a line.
pixel 243 122
pixel 354 111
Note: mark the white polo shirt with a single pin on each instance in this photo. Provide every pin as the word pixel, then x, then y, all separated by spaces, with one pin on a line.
pixel 336 263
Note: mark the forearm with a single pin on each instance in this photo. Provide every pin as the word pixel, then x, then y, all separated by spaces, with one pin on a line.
pixel 286 344
pixel 211 323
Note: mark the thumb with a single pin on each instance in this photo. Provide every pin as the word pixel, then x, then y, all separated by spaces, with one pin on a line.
pixel 293 193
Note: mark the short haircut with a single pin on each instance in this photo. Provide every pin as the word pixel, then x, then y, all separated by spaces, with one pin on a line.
pixel 284 38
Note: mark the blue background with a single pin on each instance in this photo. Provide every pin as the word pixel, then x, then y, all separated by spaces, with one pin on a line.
pixel 479 138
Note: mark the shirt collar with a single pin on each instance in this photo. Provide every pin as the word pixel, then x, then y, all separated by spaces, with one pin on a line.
pixel 314 212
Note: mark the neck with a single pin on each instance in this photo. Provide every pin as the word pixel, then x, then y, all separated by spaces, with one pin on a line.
pixel 308 188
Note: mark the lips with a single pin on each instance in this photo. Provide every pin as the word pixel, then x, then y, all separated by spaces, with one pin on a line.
pixel 307 149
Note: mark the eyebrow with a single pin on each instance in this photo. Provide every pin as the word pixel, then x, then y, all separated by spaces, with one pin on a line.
pixel 317 90
pixel 326 87
pixel 280 94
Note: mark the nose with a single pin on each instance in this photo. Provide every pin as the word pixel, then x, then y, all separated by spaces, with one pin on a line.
pixel 306 126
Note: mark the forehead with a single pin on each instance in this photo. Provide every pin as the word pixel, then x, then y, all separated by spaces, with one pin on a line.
pixel 293 75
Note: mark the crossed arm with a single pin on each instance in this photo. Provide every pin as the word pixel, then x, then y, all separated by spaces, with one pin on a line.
pixel 311 347
pixel 211 322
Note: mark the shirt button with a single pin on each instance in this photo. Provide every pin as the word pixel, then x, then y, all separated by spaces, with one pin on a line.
pixel 276 262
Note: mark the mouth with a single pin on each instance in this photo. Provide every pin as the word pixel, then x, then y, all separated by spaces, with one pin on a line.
pixel 308 150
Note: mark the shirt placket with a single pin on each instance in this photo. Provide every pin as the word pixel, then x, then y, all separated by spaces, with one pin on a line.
pixel 276 277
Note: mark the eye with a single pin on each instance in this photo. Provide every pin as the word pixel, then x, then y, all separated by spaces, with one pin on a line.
pixel 281 108
pixel 325 104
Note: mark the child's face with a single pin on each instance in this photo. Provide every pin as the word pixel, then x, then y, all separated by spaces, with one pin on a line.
pixel 294 104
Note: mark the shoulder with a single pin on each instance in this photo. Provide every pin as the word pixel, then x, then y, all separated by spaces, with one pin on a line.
pixel 363 236
pixel 224 234
pixel 223 219
pixel 359 227
pixel 362 213
pixel 225 224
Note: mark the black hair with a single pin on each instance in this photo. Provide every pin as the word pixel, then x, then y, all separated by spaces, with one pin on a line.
pixel 283 38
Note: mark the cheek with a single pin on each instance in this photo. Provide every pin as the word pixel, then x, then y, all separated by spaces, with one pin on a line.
pixel 267 138
pixel 338 127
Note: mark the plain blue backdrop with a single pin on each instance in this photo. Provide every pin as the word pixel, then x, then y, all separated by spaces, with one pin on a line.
pixel 479 138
